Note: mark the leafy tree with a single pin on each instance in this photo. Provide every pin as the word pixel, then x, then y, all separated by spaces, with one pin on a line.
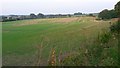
pixel 117 8
pixel 69 15
pixel 40 15
pixel 32 15
pixel 78 13
pixel 104 14
pixel 107 14
pixel 116 27
pixel 112 14
pixel 3 18
pixel 91 15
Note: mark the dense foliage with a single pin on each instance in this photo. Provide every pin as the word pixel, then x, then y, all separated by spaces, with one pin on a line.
pixel 78 13
pixel 107 14
pixel 117 8
pixel 40 15
pixel 32 15
pixel 116 27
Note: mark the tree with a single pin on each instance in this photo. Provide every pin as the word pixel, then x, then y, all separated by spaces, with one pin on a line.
pixel 78 13
pixel 107 14
pixel 104 14
pixel 116 26
pixel 90 15
pixel 3 18
pixel 117 8
pixel 32 15
pixel 112 13
pixel 69 15
pixel 40 15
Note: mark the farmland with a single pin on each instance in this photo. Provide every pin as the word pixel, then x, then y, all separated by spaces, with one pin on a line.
pixel 29 42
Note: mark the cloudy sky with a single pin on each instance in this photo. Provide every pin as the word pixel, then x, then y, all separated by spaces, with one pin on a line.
pixel 54 6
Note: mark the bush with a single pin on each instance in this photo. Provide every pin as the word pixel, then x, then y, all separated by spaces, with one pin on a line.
pixel 105 37
pixel 115 27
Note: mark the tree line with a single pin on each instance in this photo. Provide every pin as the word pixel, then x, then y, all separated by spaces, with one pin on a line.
pixel 40 15
pixel 32 16
pixel 109 14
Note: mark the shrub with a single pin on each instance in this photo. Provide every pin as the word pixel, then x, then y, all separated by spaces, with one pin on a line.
pixel 115 27
pixel 104 38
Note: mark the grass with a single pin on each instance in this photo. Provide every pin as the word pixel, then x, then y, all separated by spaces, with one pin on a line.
pixel 21 42
pixel 0 44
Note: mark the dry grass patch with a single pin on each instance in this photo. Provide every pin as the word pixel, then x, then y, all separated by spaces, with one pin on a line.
pixel 54 20
pixel 50 20
pixel 64 20
pixel 30 22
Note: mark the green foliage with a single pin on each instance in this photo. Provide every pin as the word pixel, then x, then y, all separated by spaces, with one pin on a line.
pixel 90 15
pixel 113 14
pixel 107 14
pixel 78 13
pixel 115 27
pixel 69 61
pixel 96 54
pixel 32 15
pixel 40 15
pixel 117 8
pixel 104 38
pixel 104 14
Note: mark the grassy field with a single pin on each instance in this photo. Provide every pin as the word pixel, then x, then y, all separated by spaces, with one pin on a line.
pixel 29 42
pixel 0 44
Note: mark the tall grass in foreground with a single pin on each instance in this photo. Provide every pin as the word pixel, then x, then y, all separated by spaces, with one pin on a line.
pixel 52 60
pixel 115 29
pixel 100 52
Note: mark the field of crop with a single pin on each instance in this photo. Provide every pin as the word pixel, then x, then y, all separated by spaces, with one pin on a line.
pixel 30 42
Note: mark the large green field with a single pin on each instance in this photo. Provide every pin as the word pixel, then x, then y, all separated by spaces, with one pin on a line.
pixel 25 42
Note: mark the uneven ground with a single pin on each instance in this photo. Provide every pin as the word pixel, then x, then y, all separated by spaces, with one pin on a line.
pixel 27 41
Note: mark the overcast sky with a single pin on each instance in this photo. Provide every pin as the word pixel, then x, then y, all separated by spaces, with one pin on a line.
pixel 20 7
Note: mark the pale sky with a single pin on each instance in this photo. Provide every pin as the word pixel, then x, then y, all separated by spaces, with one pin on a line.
pixel 21 7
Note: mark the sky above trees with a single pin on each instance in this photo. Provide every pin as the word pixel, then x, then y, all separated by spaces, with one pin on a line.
pixel 20 7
